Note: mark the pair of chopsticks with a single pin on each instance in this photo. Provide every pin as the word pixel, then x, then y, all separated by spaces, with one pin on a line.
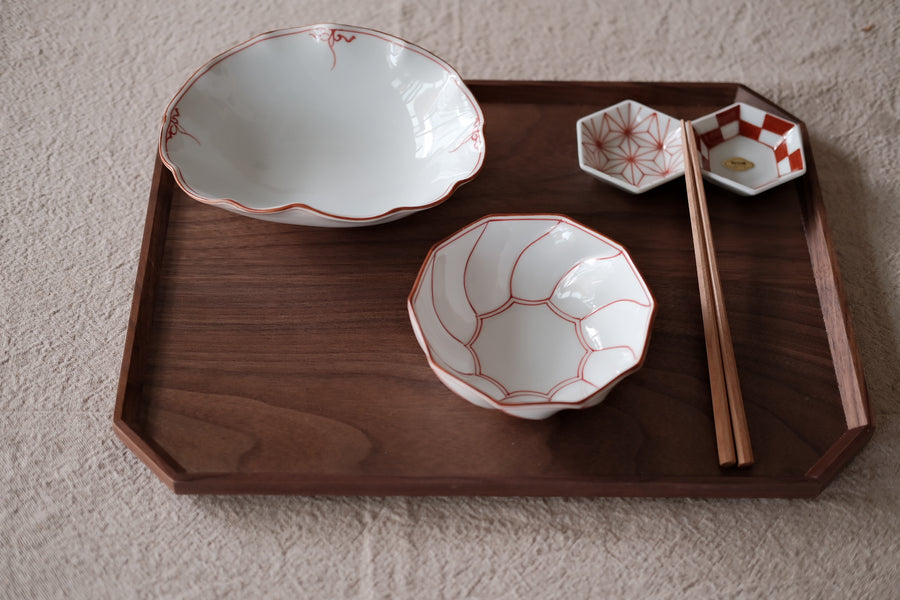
pixel 732 436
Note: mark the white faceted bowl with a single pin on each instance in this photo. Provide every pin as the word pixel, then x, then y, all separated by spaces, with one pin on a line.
pixel 531 314
pixel 748 150
pixel 326 125
pixel 631 146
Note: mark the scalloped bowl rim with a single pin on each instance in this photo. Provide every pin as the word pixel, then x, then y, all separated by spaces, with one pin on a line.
pixel 477 133
pixel 512 407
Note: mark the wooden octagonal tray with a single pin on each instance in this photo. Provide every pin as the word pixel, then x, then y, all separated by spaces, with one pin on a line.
pixel 267 358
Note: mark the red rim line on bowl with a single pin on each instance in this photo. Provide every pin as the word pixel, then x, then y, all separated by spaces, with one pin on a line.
pixel 501 404
pixel 171 115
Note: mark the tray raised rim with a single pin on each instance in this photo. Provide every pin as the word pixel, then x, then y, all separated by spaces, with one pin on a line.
pixel 845 356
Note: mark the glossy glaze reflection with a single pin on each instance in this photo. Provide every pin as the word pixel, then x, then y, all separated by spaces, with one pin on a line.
pixel 531 314
pixel 325 125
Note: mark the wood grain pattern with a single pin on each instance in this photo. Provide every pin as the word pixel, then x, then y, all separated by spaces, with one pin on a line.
pixel 265 358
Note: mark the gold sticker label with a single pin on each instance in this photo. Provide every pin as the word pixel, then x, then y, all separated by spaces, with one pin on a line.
pixel 738 164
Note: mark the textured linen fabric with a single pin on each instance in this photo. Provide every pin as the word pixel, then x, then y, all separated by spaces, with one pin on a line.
pixel 82 89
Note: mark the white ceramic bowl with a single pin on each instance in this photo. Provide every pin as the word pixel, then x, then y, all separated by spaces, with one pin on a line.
pixel 630 146
pixel 327 125
pixel 531 314
pixel 748 150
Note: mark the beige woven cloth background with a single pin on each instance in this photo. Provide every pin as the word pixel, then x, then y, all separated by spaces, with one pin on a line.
pixel 82 90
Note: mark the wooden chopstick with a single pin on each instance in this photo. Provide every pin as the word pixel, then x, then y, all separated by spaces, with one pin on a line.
pixel 728 406
pixel 721 415
pixel 732 380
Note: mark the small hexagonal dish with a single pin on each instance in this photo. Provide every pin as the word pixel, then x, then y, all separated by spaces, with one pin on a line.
pixel 748 150
pixel 531 314
pixel 630 146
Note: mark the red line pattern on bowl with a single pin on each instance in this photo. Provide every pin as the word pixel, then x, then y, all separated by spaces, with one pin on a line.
pixel 632 144
pixel 173 128
pixel 513 300
pixel 332 36
pixel 475 137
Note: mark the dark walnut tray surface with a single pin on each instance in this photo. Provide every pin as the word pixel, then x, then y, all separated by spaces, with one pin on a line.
pixel 264 358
